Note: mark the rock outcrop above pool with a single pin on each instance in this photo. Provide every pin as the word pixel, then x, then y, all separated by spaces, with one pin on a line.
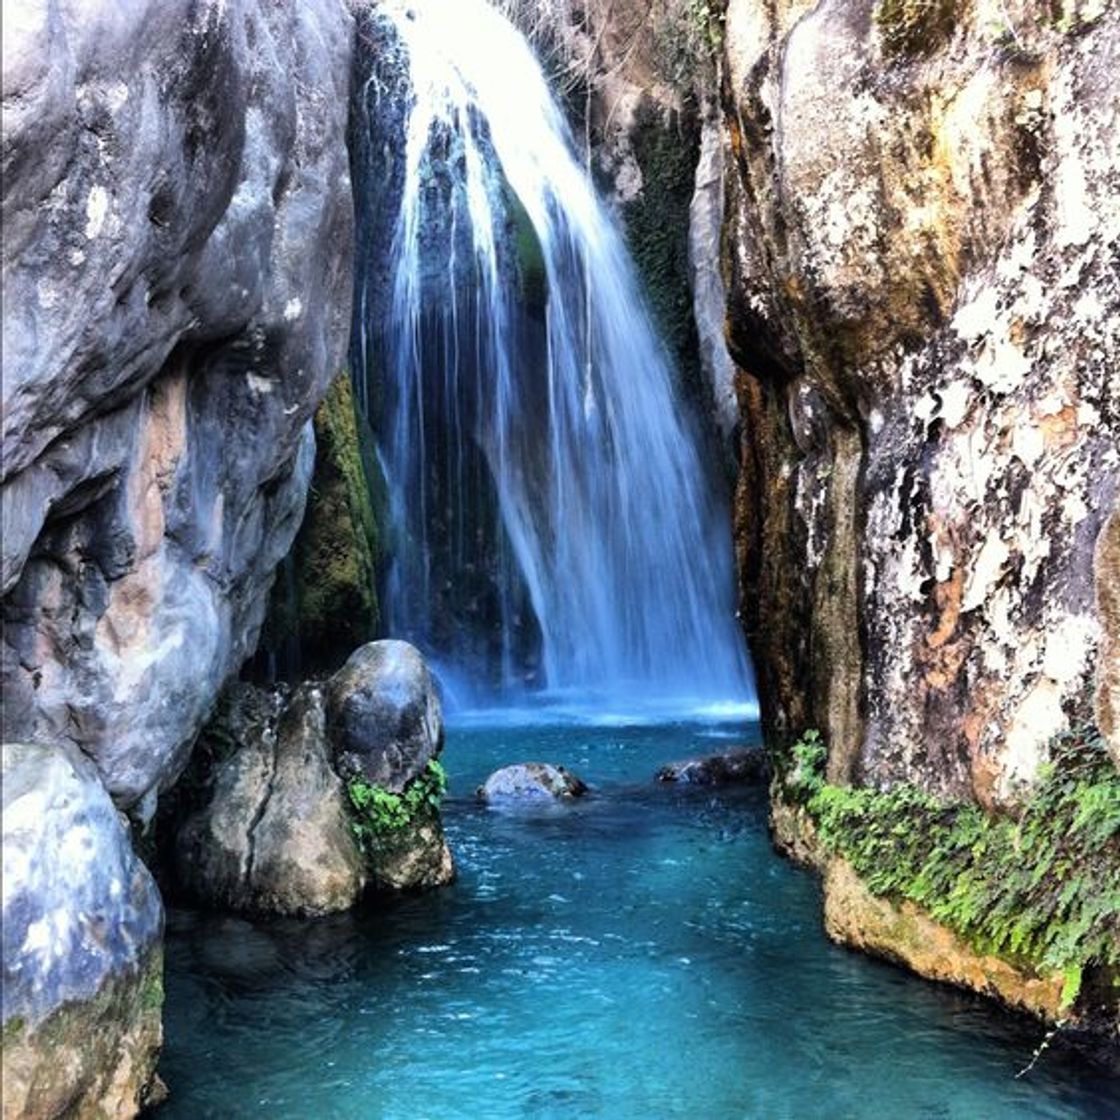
pixel 386 720
pixel 904 933
pixel 82 928
pixel 748 766
pixel 176 296
pixel 274 834
pixel 278 813
pixel 923 220
pixel 531 782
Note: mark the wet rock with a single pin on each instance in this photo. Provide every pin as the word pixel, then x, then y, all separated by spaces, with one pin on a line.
pixel 274 833
pixel 386 721
pixel 904 933
pixel 743 767
pixel 82 930
pixel 324 602
pixel 927 367
pixel 419 858
pixel 176 291
pixel 531 781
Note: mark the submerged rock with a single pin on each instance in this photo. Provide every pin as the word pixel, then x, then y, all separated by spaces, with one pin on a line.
pixel 386 721
pixel 531 781
pixel 748 766
pixel 82 928
pixel 274 835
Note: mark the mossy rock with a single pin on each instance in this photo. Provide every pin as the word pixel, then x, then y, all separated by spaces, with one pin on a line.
pixel 1040 891
pixel 656 224
pixel 95 1058
pixel 324 603
pixel 532 275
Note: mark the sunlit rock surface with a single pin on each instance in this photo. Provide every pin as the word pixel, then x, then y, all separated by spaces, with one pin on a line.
pixel 82 928
pixel 924 223
pixel 176 290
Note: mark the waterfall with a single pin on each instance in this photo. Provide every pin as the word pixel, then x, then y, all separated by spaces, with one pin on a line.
pixel 552 524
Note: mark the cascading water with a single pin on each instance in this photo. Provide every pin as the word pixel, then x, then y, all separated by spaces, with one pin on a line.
pixel 547 497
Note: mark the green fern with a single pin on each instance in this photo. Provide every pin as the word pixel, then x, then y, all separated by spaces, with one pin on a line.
pixel 378 816
pixel 1043 891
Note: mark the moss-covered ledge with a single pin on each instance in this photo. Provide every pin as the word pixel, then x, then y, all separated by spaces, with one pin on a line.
pixel 1025 909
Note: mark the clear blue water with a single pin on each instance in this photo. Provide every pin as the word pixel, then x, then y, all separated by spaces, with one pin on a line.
pixel 642 954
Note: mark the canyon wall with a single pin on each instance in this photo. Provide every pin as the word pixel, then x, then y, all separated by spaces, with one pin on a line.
pixel 923 217
pixel 176 291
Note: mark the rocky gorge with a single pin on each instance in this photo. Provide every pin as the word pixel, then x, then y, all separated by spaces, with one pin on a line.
pixel 879 238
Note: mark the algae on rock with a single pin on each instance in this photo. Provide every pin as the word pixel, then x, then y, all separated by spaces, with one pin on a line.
pixel 324 603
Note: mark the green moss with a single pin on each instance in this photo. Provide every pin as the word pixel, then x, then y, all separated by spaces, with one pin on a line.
pixel 13 1028
pixel 657 223
pixel 915 28
pixel 531 273
pixel 325 599
pixel 151 994
pixel 379 818
pixel 1042 890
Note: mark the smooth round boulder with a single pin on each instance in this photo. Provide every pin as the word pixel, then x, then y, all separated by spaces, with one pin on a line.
pixel 385 717
pixel 531 782
pixel 83 932
pixel 749 766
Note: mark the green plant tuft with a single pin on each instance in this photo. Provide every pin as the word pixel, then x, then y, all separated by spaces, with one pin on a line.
pixel 1042 890
pixel 380 816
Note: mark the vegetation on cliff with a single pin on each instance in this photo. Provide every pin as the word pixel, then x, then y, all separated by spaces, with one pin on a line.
pixel 1041 889
pixel 380 817
pixel 656 224
pixel 325 600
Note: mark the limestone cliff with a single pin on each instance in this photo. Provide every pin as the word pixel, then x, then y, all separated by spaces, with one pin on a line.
pixel 176 287
pixel 923 227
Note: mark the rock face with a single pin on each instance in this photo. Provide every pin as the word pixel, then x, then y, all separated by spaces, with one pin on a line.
pixel 324 601
pixel 419 859
pixel 83 965
pixel 902 933
pixel 176 294
pixel 744 767
pixel 274 835
pixel 531 781
pixel 923 224
pixel 386 721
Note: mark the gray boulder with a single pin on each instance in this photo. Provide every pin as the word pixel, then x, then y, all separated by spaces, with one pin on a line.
pixel 531 781
pixel 386 721
pixel 273 836
pixel 743 767
pixel 82 932
pixel 176 295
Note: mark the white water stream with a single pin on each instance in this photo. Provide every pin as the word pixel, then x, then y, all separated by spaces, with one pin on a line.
pixel 611 534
